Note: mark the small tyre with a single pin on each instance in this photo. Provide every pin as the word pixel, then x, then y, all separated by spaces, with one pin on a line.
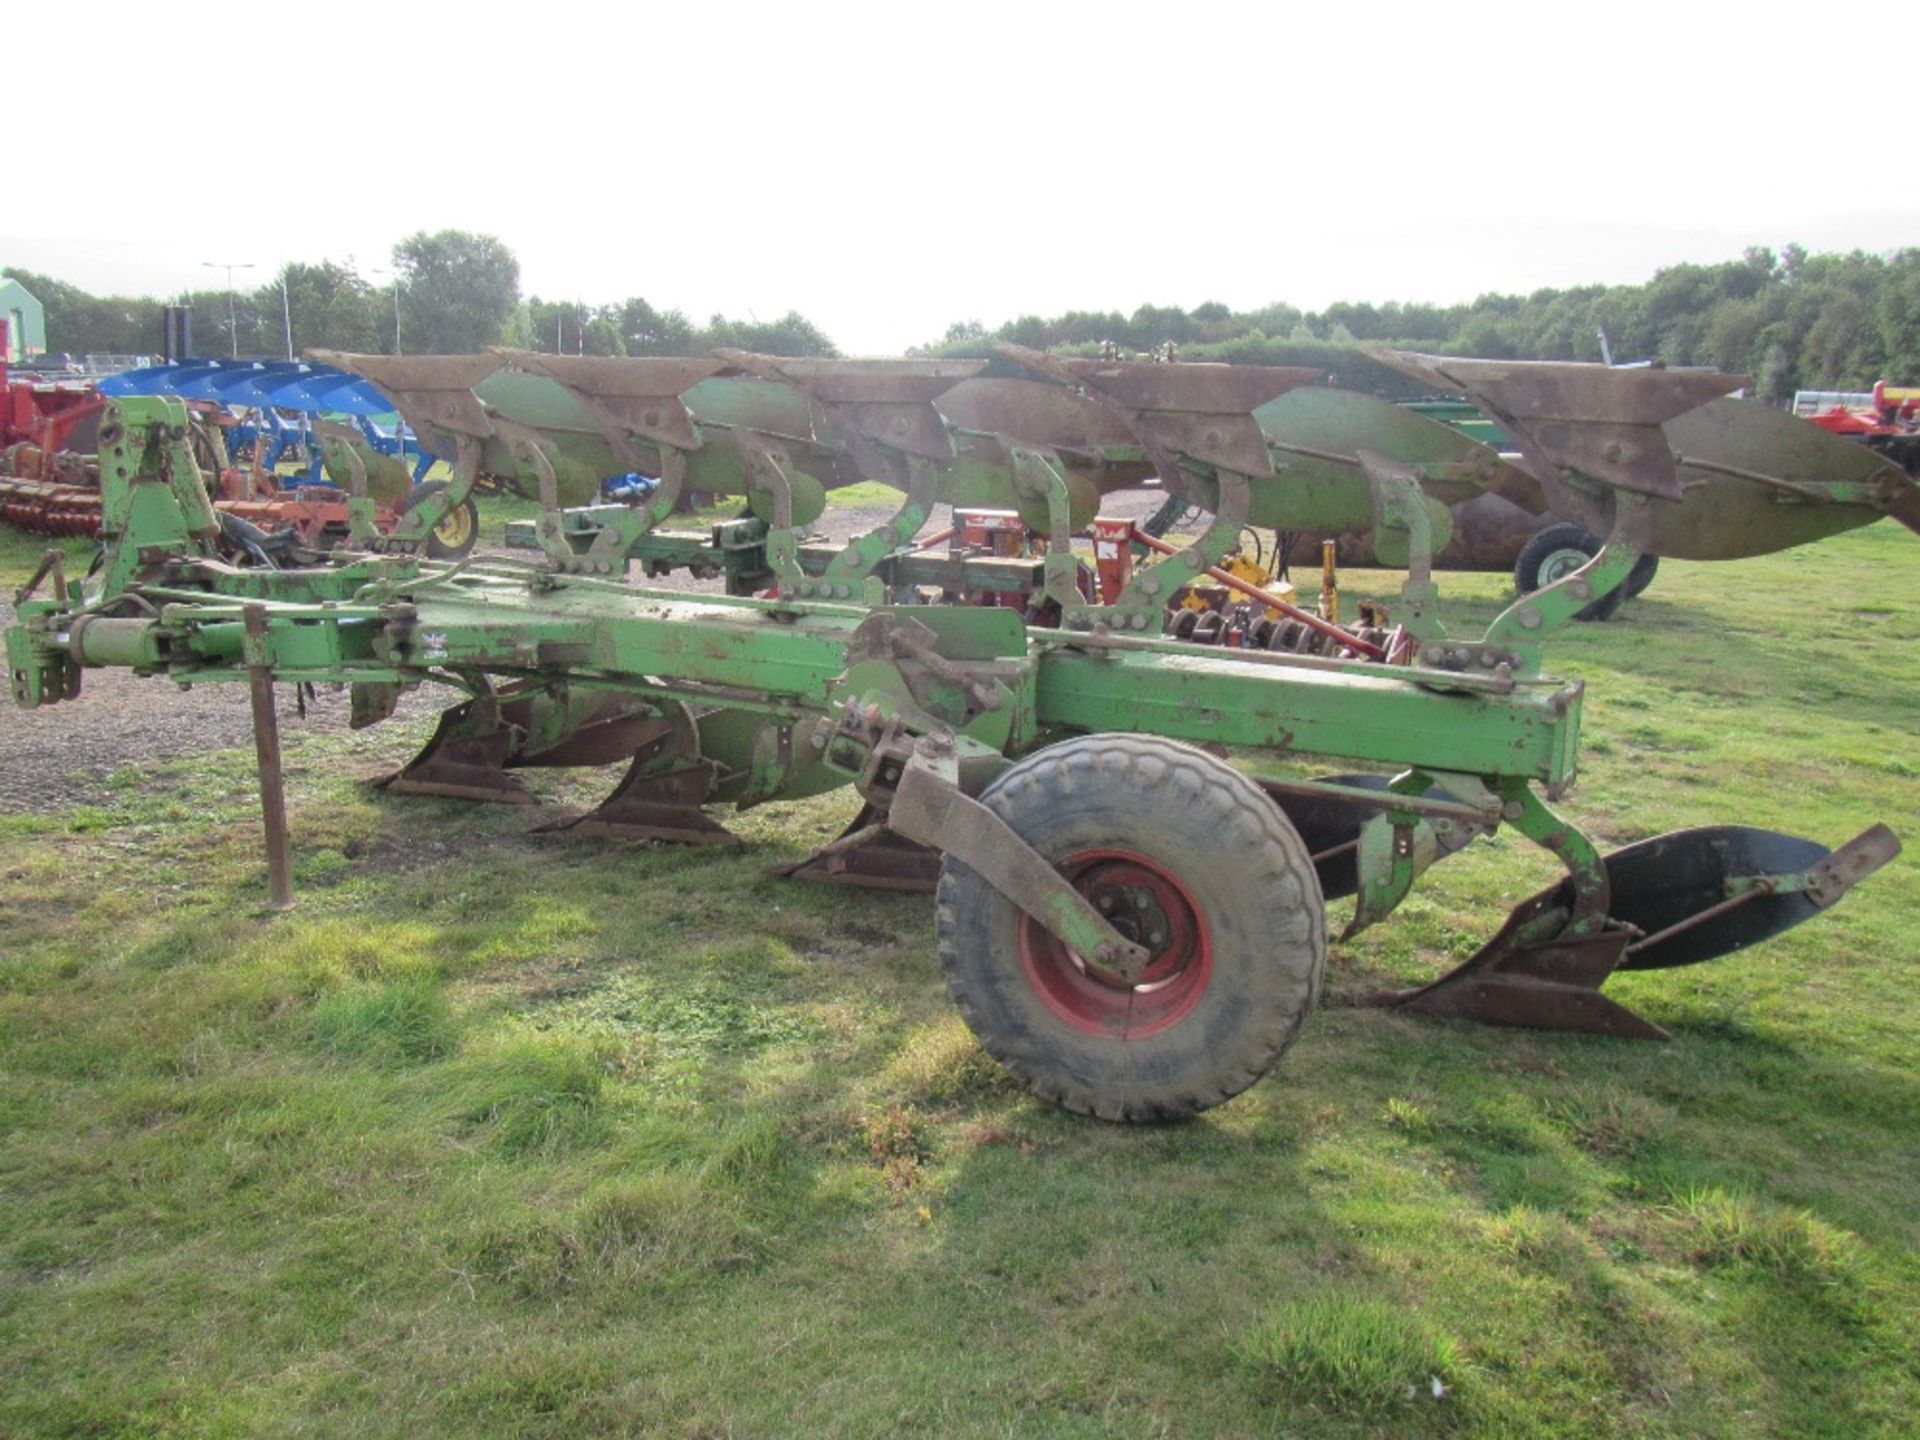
pixel 454 537
pixel 1641 575
pixel 1555 553
pixel 1188 857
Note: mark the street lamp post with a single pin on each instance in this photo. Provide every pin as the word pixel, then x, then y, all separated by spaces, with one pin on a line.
pixel 397 281
pixel 233 328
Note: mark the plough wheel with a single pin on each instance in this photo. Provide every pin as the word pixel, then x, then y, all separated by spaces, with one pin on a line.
pixel 453 538
pixel 1186 856
pixel 1557 551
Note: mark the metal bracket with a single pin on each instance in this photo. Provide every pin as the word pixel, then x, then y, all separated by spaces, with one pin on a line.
pixel 1139 606
pixel 52 563
pixel 337 442
pixel 767 465
pixel 421 521
pixel 530 447
pixel 608 552
pixel 1401 843
pixel 909 639
pixel 928 806
pixel 857 562
pixel 1853 862
pixel 1399 504
pixel 1586 869
pixel 1517 631
pixel 1038 474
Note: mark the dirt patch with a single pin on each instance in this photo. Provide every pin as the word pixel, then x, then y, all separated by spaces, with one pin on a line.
pixel 60 756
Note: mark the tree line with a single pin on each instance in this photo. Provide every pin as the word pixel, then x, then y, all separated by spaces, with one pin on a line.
pixel 1791 320
pixel 448 293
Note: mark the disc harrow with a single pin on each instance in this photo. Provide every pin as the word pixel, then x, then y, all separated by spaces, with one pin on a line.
pixel 1132 925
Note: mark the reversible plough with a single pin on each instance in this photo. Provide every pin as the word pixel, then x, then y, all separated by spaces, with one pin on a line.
pixel 1133 926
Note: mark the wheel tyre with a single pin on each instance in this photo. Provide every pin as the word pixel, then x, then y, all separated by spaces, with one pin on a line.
pixel 1550 555
pixel 1641 576
pixel 1251 947
pixel 454 537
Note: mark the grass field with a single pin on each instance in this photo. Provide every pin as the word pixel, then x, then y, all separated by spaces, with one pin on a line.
pixel 510 1135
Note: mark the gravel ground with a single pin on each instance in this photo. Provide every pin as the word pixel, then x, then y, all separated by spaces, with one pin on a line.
pixel 60 756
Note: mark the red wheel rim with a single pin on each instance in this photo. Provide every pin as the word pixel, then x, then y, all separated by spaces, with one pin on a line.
pixel 1150 907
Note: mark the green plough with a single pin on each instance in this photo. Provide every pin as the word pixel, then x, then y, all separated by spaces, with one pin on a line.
pixel 1133 926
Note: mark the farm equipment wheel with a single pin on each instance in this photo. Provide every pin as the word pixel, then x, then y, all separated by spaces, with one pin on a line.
pixel 453 538
pixel 1555 553
pixel 1186 856
pixel 1641 576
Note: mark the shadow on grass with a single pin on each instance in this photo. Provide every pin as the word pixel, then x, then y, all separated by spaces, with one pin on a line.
pixel 586 1087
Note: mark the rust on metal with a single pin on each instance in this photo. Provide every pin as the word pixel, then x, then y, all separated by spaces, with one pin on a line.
pixel 636 393
pixel 1551 984
pixel 871 854
pixel 889 402
pixel 431 392
pixel 1204 412
pixel 266 747
pixel 52 564
pixel 1829 879
pixel 657 805
pixel 1594 419
pixel 464 759
pixel 1040 413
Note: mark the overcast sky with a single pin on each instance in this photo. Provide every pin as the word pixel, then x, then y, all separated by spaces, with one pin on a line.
pixel 889 169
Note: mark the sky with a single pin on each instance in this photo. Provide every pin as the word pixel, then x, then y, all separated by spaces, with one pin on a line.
pixel 887 170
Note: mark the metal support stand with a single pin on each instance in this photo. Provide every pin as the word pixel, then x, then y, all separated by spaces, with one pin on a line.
pixel 266 746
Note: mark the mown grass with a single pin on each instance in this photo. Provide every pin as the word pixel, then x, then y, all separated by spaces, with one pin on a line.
pixel 514 1135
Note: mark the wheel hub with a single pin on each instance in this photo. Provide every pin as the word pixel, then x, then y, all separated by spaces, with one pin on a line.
pixel 1151 907
pixel 1135 912
pixel 453 528
pixel 1561 563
